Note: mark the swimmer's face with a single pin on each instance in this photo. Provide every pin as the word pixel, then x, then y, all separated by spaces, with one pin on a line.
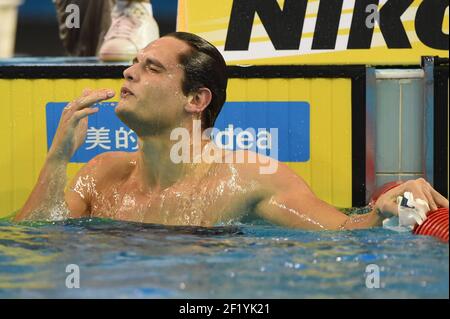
pixel 152 98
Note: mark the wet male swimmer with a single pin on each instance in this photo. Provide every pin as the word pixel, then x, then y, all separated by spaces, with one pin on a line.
pixel 174 82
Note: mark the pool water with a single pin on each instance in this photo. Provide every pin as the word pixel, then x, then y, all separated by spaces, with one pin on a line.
pixel 130 260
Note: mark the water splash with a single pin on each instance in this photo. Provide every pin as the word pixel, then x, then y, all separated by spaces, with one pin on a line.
pixel 85 185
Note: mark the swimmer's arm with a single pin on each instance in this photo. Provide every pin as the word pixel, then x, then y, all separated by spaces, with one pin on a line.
pixel 47 201
pixel 306 211
pixel 293 204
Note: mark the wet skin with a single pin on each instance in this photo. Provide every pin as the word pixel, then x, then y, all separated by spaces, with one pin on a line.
pixel 209 194
pixel 147 186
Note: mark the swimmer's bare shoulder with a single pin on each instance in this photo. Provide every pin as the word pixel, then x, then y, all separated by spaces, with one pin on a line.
pixel 100 172
pixel 284 198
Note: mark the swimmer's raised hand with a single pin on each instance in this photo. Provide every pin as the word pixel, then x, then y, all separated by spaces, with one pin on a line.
pixel 72 127
pixel 47 200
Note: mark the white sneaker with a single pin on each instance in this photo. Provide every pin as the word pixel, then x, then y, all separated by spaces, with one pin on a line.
pixel 132 29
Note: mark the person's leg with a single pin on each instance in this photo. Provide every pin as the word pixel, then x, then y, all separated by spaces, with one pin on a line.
pixel 95 20
pixel 132 28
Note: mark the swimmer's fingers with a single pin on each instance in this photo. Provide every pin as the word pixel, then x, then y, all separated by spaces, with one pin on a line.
pixel 86 92
pixel 70 108
pixel 91 97
pixel 78 115
pixel 422 189
pixel 430 200
pixel 433 198
pixel 440 200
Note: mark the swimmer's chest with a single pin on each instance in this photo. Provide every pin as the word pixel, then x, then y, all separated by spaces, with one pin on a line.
pixel 205 203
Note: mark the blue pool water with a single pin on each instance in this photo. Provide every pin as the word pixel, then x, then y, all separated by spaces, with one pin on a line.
pixel 128 260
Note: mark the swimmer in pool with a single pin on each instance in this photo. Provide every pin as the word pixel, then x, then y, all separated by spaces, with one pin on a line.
pixel 175 81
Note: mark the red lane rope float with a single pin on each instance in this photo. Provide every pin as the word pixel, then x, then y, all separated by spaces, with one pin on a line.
pixel 435 225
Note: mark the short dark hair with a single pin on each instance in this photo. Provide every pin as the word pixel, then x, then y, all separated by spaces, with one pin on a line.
pixel 204 66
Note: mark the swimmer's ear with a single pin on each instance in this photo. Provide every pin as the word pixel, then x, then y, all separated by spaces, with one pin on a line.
pixel 199 100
